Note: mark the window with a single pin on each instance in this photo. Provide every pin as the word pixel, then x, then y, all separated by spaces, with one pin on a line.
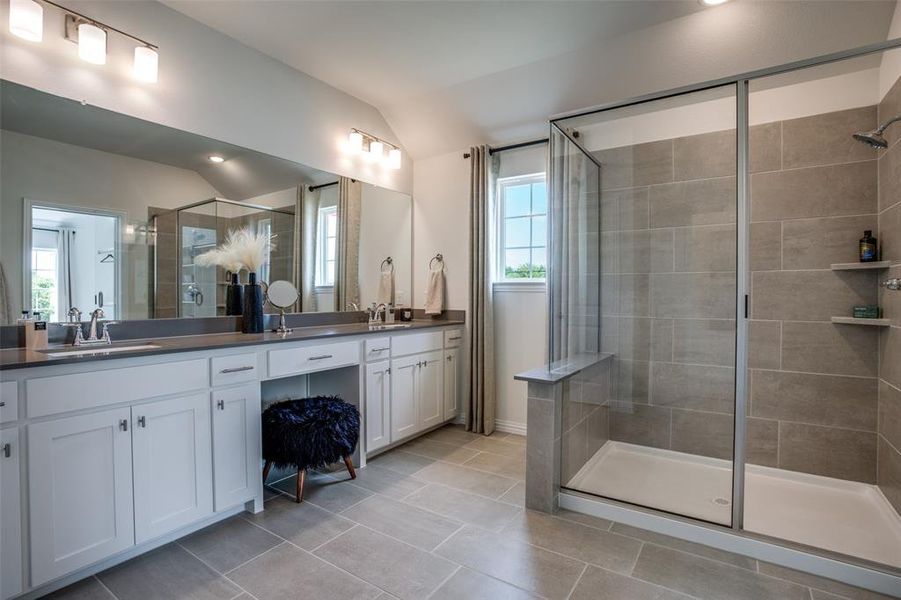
pixel 327 234
pixel 522 217
pixel 44 285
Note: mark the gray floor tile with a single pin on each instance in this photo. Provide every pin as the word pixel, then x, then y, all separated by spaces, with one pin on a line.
pixel 400 569
pixel 472 585
pixel 430 448
pixel 497 446
pixel 596 522
pixel 407 523
pixel 598 583
pixel 468 480
pixel 385 481
pixel 516 496
pixel 710 580
pixel 327 492
pixel 508 466
pixel 534 569
pixel 86 589
pixel 289 572
pixel 684 546
pixel 304 524
pixel 464 507
pixel 402 462
pixel 453 434
pixel 515 439
pixel 167 573
pixel 820 583
pixel 229 543
pixel 609 550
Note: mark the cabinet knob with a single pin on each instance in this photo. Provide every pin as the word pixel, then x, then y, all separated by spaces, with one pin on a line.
pixel 7 450
pixel 2 404
pixel 220 404
pixel 142 422
pixel 450 358
pixel 123 424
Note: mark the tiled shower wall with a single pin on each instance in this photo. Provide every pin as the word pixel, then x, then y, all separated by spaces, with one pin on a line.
pixel 889 440
pixel 668 297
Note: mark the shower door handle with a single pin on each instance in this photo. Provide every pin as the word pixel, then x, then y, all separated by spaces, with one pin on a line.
pixel 892 284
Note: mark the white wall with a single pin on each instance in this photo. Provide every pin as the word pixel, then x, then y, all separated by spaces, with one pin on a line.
pixel 209 84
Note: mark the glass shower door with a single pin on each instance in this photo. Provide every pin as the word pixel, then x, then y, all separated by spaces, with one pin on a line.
pixel 653 421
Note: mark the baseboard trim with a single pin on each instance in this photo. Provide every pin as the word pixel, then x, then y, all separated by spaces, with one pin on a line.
pixel 513 427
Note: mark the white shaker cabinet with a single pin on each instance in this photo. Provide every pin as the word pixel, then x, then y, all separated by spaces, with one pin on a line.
pixel 453 376
pixel 404 401
pixel 378 405
pixel 236 445
pixel 10 515
pixel 430 389
pixel 80 490
pixel 173 468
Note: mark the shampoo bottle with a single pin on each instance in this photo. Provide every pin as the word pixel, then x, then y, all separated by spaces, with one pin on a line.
pixel 868 251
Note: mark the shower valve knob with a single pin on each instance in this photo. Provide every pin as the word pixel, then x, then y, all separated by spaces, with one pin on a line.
pixel 892 284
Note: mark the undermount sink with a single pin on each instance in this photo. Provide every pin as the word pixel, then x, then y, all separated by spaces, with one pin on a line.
pixel 389 326
pixel 97 350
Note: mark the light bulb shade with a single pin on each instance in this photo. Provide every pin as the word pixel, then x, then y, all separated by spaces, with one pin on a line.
pixel 92 44
pixel 376 149
pixel 394 158
pixel 146 65
pixel 355 141
pixel 26 20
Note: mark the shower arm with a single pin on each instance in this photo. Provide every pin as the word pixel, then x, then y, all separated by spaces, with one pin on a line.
pixel 881 129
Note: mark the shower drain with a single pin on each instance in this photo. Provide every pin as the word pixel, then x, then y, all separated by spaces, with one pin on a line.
pixel 721 501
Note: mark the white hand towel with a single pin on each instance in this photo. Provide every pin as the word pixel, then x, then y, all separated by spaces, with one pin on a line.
pixel 434 293
pixel 386 288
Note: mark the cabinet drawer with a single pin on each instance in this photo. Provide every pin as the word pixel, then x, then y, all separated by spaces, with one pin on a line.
pixel 453 338
pixel 415 343
pixel 235 368
pixel 53 395
pixel 378 348
pixel 293 361
pixel 9 401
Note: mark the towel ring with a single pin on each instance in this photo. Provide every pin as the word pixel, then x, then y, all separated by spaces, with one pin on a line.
pixel 437 257
pixel 388 261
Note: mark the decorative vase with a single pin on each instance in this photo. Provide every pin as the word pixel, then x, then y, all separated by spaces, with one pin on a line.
pixel 253 306
pixel 234 297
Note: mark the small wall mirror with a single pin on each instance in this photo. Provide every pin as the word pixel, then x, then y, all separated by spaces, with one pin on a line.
pixel 282 295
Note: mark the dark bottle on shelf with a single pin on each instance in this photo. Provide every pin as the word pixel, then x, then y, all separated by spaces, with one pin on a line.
pixel 868 251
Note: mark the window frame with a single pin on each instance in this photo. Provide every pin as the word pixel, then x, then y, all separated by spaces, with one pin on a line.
pixel 322 271
pixel 500 278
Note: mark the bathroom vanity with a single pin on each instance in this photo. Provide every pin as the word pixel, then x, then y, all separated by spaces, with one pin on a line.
pixel 105 456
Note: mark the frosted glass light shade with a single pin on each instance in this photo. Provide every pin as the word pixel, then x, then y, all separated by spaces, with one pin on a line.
pixel 91 44
pixel 26 20
pixel 376 149
pixel 394 158
pixel 355 141
pixel 146 64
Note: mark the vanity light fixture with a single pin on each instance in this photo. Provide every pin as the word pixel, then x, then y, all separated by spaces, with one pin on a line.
pixel 91 44
pixel 356 142
pixel 26 20
pixel 712 2
pixel 146 64
pixel 216 159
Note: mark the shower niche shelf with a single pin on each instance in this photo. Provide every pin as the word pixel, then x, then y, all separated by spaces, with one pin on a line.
pixel 869 322
pixel 861 266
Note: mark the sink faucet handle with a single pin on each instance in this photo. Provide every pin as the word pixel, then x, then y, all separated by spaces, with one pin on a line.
pixel 74 315
pixel 105 336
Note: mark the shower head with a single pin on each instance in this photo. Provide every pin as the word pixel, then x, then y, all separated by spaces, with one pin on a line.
pixel 874 138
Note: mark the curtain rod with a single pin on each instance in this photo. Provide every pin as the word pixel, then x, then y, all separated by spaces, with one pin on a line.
pixel 313 188
pixel 513 146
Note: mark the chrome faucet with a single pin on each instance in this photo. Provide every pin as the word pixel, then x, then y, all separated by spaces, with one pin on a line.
pixel 375 311
pixel 104 338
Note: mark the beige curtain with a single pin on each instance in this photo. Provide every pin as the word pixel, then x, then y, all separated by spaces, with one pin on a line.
pixel 309 221
pixel 347 265
pixel 480 375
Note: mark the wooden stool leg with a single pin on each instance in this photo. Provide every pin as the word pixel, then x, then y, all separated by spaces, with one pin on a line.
pixel 301 476
pixel 266 471
pixel 350 467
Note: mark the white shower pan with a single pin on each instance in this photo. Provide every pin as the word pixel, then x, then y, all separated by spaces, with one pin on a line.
pixel 833 514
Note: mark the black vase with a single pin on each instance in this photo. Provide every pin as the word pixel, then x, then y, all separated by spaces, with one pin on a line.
pixel 253 306
pixel 234 298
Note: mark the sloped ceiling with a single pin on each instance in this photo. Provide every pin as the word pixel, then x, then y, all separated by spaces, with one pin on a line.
pixel 449 74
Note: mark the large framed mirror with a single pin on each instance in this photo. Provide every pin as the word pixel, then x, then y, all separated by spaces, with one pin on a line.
pixel 100 209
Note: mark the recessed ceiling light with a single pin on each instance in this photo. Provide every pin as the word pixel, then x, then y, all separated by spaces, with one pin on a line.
pixel 711 2
pixel 216 159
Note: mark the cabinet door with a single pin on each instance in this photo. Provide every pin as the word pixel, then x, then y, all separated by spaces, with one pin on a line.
pixel 236 445
pixel 404 407
pixel 10 515
pixel 452 383
pixel 378 405
pixel 173 471
pixel 80 491
pixel 431 389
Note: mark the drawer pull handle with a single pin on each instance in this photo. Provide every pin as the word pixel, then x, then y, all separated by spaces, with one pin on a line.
pixel 321 357
pixel 2 404
pixel 236 369
pixel 123 424
pixel 7 450
pixel 142 422
pixel 450 358
pixel 380 349
pixel 220 404
pixel 454 339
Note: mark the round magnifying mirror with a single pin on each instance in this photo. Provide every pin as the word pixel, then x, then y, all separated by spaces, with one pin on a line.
pixel 282 294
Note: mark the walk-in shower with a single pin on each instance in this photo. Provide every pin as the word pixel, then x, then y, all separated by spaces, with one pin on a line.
pixel 705 263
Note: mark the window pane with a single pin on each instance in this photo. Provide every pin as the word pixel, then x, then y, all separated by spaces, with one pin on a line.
pixel 330 249
pixel 539 198
pixel 516 264
pixel 517 232
pixel 539 231
pixel 45 261
pixel 539 263
pixel 517 200
pixel 331 225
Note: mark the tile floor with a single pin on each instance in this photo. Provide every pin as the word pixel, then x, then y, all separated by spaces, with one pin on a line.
pixel 440 517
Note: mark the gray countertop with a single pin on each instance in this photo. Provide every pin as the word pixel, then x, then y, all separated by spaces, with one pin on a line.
pixel 20 358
